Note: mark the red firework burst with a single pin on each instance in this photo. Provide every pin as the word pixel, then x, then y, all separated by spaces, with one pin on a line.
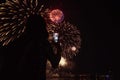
pixel 56 16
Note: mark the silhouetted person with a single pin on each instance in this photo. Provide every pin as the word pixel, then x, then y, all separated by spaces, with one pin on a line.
pixel 30 52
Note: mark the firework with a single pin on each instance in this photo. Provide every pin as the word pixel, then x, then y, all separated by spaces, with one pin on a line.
pixel 15 13
pixel 13 18
pixel 69 39
pixel 69 36
pixel 56 16
pixel 52 22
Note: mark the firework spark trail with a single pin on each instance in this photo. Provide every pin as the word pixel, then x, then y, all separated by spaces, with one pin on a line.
pixel 13 18
pixel 69 38
pixel 69 35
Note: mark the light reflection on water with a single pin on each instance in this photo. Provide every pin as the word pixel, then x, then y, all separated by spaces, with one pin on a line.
pixel 81 77
pixel 62 79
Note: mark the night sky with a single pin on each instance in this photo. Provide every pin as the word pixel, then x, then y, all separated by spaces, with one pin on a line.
pixel 94 20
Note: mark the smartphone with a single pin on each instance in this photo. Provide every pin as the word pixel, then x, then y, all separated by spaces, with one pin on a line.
pixel 55 37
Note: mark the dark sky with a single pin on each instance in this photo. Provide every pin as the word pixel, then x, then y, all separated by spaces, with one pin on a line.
pixel 94 20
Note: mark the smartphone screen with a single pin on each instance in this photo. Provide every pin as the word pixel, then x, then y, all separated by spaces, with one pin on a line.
pixel 55 36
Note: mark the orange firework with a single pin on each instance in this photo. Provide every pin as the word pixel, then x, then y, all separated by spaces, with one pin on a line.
pixel 56 16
